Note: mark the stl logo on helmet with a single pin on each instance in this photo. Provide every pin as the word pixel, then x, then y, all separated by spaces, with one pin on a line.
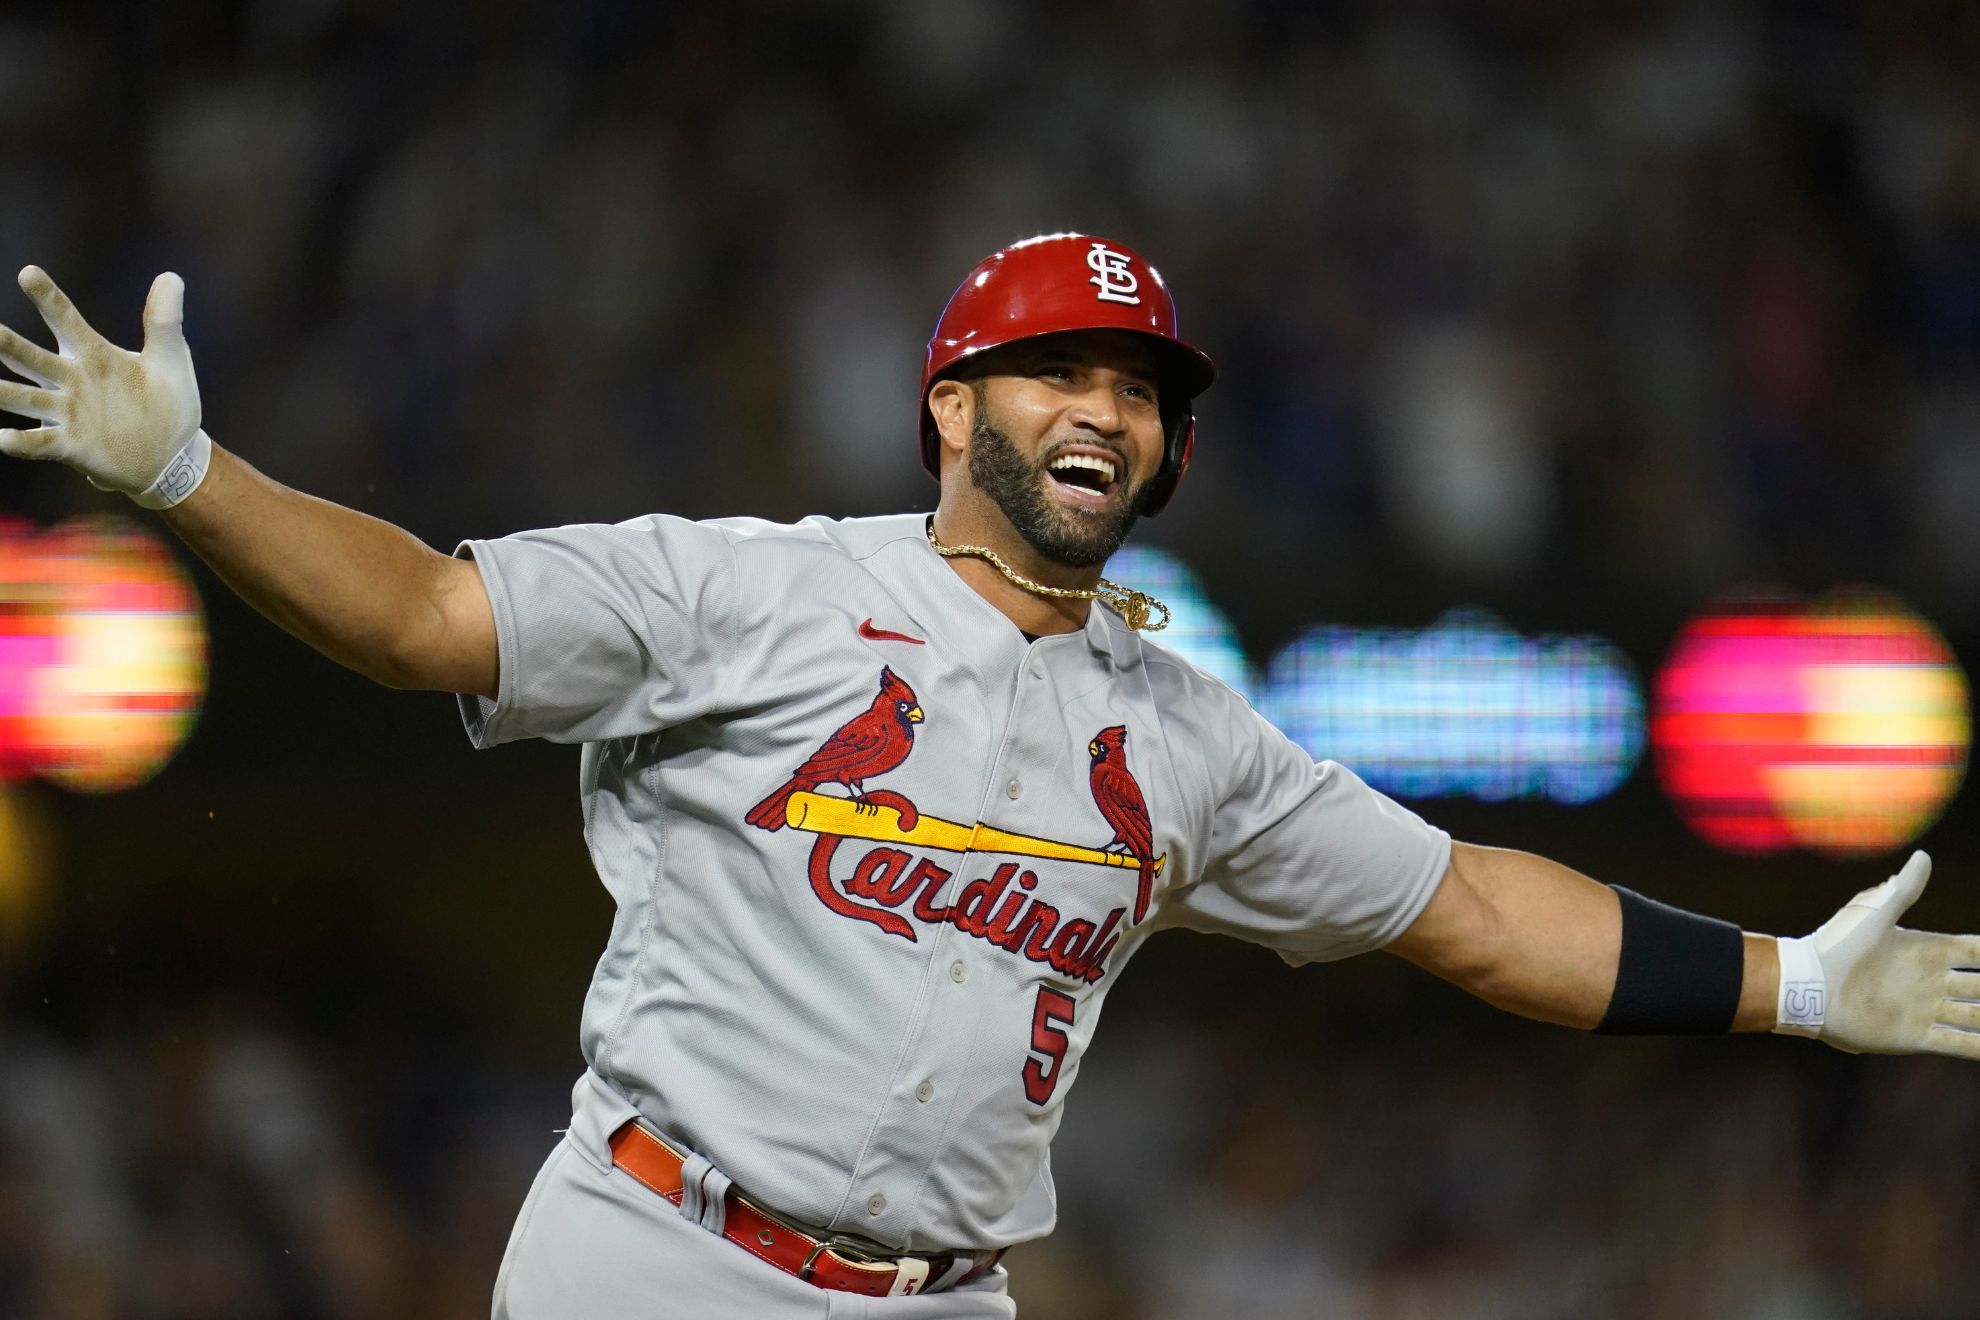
pixel 1113 276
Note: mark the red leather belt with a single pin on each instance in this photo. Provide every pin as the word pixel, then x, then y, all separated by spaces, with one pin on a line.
pixel 825 1262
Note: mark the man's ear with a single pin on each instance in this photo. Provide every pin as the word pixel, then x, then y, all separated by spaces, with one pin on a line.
pixel 953 404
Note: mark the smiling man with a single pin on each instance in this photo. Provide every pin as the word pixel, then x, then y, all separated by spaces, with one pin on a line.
pixel 886 804
pixel 1074 501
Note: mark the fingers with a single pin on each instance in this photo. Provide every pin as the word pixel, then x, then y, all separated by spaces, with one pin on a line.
pixel 43 442
pixel 1890 899
pixel 30 359
pixel 1909 882
pixel 1957 1028
pixel 1952 1041
pixel 71 331
pixel 165 312
pixel 29 401
pixel 1953 1013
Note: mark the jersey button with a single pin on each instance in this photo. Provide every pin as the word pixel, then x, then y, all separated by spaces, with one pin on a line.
pixel 1014 789
pixel 925 1092
pixel 958 973
pixel 876 1204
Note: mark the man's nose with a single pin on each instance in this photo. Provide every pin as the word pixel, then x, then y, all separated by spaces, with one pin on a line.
pixel 1097 407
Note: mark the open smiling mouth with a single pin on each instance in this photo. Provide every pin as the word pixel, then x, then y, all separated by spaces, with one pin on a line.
pixel 1089 480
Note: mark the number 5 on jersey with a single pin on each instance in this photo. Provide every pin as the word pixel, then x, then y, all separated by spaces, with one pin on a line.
pixel 1049 1016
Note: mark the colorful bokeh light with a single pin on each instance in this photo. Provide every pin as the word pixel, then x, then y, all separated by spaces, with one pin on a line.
pixel 102 654
pixel 1198 631
pixel 30 641
pixel 1841 725
pixel 1467 707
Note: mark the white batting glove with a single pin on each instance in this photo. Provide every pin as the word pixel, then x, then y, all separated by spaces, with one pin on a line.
pixel 127 421
pixel 1869 986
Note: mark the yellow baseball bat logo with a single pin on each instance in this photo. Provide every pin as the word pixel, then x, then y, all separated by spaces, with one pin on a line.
pixel 882 824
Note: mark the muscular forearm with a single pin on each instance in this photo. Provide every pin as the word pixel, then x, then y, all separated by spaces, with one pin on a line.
pixel 359 590
pixel 365 593
pixel 1534 937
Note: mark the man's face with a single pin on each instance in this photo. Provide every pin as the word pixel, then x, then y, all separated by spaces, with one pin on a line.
pixel 1068 432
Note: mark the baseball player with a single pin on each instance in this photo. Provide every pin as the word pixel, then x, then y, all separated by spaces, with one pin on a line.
pixel 887 804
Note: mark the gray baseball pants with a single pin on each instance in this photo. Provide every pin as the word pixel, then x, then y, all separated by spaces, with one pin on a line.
pixel 593 1244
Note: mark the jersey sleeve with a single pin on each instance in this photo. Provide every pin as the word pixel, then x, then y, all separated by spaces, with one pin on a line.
pixel 1308 860
pixel 605 631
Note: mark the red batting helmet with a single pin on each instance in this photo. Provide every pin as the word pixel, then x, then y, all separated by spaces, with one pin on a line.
pixel 1059 282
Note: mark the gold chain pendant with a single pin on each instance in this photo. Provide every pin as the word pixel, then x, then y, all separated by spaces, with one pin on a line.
pixel 1131 605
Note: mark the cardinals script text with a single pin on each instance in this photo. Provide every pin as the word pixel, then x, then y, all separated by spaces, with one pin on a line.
pixel 885 883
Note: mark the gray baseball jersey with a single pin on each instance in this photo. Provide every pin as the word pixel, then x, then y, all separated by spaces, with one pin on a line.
pixel 877 858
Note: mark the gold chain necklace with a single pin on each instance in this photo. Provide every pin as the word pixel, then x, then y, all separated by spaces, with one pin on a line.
pixel 1131 605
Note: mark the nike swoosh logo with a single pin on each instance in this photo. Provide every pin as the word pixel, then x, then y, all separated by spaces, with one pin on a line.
pixel 873 634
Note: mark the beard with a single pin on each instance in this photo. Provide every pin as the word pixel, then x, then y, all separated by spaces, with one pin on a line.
pixel 1073 538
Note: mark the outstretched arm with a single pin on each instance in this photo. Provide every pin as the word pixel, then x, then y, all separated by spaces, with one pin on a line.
pixel 365 593
pixel 1533 937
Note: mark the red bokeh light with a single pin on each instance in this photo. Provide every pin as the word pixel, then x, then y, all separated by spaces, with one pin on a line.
pixel 102 654
pixel 1841 725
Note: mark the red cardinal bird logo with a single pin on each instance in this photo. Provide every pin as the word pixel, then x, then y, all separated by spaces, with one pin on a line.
pixel 1119 798
pixel 871 743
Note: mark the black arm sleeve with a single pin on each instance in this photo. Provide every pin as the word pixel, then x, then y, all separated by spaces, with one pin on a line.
pixel 1679 973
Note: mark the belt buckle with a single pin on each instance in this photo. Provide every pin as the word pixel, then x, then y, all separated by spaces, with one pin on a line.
pixel 911 1273
pixel 844 1248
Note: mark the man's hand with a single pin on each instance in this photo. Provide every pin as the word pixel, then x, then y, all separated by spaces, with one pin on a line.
pixel 127 421
pixel 1867 985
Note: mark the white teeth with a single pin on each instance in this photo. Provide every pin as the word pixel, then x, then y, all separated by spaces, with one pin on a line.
pixel 1087 461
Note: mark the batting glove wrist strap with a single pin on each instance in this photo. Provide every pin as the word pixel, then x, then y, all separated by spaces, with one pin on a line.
pixel 181 476
pixel 1804 989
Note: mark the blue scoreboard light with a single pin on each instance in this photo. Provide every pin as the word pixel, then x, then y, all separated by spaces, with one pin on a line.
pixel 1466 707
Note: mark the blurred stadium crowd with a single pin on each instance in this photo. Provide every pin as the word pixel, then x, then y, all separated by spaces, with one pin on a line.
pixel 1654 295
pixel 211 1164
pixel 1593 309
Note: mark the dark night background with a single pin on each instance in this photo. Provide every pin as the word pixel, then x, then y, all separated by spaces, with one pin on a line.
pixel 289 1030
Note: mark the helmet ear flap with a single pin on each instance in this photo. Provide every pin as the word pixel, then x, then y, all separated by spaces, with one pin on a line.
pixel 1179 441
pixel 931 439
